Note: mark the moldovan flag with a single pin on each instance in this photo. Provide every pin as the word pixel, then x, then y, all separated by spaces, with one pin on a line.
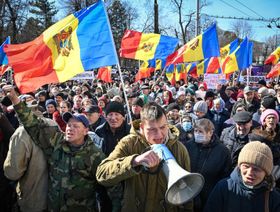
pixel 274 57
pixel 140 46
pixel 3 56
pixel 214 62
pixel 104 73
pixel 191 69
pixel 145 70
pixel 203 46
pixel 275 71
pixel 180 72
pixel 239 59
pixel 79 42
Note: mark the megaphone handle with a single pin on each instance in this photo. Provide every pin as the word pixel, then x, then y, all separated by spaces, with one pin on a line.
pixel 146 169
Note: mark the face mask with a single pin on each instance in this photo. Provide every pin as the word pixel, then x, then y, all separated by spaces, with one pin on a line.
pixel 187 126
pixel 199 137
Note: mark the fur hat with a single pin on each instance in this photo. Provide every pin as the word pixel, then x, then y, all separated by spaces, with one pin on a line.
pixel 258 154
pixel 269 112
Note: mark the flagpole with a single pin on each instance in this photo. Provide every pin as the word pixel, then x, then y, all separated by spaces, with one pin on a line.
pixel 118 65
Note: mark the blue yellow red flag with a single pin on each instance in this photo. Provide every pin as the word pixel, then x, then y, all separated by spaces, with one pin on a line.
pixel 146 46
pixel 237 60
pixel 203 46
pixel 79 42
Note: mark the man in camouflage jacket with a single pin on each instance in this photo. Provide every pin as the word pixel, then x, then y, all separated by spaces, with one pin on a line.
pixel 72 158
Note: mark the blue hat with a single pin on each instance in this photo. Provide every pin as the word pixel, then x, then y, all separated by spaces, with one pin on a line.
pixel 50 101
pixel 80 117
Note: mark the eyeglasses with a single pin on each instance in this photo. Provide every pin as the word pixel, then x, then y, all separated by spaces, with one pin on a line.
pixel 188 106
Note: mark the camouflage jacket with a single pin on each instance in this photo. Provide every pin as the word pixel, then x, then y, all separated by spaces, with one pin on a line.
pixel 72 181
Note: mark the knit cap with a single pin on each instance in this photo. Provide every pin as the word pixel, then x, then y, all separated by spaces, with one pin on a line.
pixel 269 112
pixel 116 107
pixel 201 106
pixel 50 101
pixel 258 154
pixel 269 102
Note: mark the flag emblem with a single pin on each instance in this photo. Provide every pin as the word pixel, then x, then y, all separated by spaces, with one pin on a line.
pixel 63 41
pixel 147 47
pixel 194 44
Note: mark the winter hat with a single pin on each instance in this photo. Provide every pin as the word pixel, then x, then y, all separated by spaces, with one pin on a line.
pixel 172 106
pixel 50 101
pixel 269 112
pixel 258 154
pixel 116 107
pixel 138 101
pixel 201 106
pixel 268 102
pixel 263 91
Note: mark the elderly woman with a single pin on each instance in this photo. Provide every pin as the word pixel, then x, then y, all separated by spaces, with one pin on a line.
pixel 269 133
pixel 249 187
pixel 220 115
pixel 209 157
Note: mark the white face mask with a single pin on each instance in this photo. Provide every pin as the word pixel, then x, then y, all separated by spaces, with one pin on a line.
pixel 199 137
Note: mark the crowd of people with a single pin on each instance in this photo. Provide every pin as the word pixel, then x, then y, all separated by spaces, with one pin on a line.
pixel 80 146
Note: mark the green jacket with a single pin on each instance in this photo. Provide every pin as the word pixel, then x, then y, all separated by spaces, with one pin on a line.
pixel 72 181
pixel 143 192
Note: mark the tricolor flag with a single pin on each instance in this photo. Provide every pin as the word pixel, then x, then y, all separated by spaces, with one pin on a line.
pixel 3 56
pixel 275 71
pixel 274 57
pixel 145 70
pixel 79 42
pixel 239 59
pixel 214 62
pixel 141 46
pixel 203 46
pixel 180 72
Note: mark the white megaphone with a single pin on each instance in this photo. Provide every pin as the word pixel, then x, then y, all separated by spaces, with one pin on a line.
pixel 182 186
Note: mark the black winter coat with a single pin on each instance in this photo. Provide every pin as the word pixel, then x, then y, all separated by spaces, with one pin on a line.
pixel 213 162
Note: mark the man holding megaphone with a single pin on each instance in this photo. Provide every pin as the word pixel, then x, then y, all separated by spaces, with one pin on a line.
pixel 152 163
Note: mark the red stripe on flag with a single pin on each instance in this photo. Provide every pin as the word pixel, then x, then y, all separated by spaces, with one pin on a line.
pixel 32 64
pixel 130 43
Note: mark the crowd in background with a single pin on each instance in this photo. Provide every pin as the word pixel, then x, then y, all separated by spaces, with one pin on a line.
pixel 213 124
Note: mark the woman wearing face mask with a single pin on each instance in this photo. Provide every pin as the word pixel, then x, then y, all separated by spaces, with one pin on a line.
pixel 208 157
pixel 185 128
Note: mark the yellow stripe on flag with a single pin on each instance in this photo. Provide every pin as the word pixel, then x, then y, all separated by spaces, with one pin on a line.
pixel 147 46
pixel 65 67
pixel 194 51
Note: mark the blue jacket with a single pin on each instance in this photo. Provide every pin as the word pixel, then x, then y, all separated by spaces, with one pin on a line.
pixel 231 195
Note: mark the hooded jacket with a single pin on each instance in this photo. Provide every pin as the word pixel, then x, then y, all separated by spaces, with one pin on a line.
pixel 231 195
pixel 143 191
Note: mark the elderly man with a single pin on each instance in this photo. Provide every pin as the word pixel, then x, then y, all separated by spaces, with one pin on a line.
pixel 236 136
pixel 72 157
pixel 144 192
pixel 251 104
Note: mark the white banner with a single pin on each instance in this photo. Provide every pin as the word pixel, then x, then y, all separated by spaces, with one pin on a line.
pixel 84 75
pixel 213 79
